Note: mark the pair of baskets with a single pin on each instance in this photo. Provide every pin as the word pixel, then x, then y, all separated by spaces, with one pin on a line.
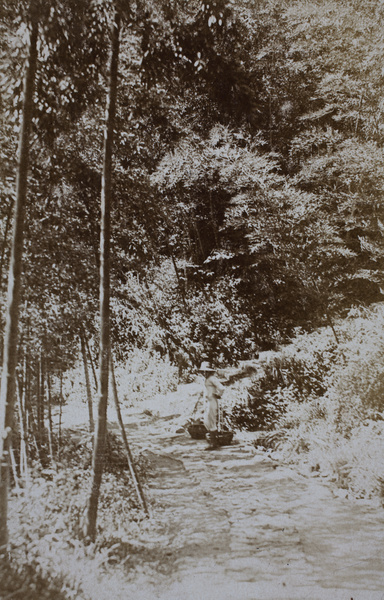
pixel 198 431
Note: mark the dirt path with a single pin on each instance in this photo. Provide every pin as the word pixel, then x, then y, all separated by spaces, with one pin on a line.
pixel 233 525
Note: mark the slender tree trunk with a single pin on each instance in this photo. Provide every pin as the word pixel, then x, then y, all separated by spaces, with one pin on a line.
pixel 40 402
pixel 179 281
pixel 329 319
pixel 91 361
pixel 4 242
pixel 27 397
pixel 49 412
pixel 33 433
pixel 213 220
pixel 131 464
pixel 185 273
pixel 101 427
pixel 198 238
pixel 38 405
pixel 87 383
pixel 59 440
pixel 27 406
pixel 7 392
pixel 21 385
pixel 14 470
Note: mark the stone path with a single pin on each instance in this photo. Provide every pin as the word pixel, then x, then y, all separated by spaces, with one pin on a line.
pixel 234 525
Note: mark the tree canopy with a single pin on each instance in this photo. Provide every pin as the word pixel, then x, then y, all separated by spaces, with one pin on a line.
pixel 247 171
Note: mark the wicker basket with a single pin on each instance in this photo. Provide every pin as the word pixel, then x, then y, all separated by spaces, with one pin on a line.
pixel 197 431
pixel 224 438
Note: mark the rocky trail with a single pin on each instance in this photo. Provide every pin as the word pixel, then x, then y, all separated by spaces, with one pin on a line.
pixel 233 524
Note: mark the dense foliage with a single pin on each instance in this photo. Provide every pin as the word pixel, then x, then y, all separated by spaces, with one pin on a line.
pixel 323 407
pixel 247 202
pixel 247 172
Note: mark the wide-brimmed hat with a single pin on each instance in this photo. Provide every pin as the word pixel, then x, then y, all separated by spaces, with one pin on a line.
pixel 206 367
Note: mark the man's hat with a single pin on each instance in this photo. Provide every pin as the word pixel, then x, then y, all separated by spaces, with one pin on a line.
pixel 206 367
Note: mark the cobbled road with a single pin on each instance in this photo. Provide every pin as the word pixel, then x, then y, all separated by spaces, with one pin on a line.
pixel 232 524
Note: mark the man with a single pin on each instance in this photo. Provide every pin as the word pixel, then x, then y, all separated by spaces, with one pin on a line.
pixel 213 392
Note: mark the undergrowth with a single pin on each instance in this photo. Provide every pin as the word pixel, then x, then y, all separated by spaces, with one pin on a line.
pixel 143 374
pixel 283 379
pixel 325 409
pixel 48 557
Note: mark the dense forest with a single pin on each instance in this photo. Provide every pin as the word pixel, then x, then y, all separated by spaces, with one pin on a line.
pixel 247 172
pixel 246 177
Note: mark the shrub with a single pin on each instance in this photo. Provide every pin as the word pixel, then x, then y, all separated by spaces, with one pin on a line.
pixel 339 433
pixel 285 379
pixel 145 374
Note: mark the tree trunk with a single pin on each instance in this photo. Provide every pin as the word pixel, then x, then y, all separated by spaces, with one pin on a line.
pixel 87 383
pixel 101 427
pixel 27 406
pixel 40 399
pixel 180 284
pixel 60 415
pixel 91 361
pixel 21 385
pixel 213 220
pixel 39 407
pixel 49 411
pixel 7 392
pixel 4 242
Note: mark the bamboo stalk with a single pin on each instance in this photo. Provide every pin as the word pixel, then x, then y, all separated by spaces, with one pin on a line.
pixel 22 420
pixel 49 406
pixel 87 383
pixel 34 435
pixel 14 470
pixel 91 361
pixel 131 465
pixel 38 405
pixel 104 288
pixel 60 414
pixel 329 319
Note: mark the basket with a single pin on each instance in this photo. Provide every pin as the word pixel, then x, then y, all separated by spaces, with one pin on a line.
pixel 197 431
pixel 224 438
